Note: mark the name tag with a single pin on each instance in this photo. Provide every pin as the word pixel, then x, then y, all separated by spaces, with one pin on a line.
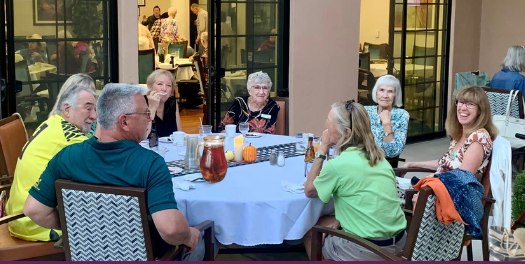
pixel 266 116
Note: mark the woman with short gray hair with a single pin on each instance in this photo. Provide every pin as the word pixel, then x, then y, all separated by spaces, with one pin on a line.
pixel 258 109
pixel 389 122
pixel 511 77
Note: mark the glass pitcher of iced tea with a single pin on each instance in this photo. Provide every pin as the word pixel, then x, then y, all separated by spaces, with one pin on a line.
pixel 213 164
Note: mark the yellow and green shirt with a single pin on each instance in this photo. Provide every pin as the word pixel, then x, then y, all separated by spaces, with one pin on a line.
pixel 48 139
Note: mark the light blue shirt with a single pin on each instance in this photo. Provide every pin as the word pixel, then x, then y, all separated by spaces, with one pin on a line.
pixel 399 119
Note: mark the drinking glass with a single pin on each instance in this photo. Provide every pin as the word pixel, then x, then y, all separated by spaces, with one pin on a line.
pixel 205 130
pixel 244 127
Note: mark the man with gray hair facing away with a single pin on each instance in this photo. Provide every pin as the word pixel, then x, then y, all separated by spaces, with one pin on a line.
pixel 123 121
pixel 68 123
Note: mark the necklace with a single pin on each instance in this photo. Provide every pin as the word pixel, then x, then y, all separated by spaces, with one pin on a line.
pixel 260 108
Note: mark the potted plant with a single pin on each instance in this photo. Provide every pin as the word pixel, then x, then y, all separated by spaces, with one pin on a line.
pixel 518 196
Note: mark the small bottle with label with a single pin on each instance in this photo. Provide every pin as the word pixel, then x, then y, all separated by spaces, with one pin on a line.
pixel 280 159
pixel 153 137
pixel 309 156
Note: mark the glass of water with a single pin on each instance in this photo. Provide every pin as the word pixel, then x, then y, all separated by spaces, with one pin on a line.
pixel 244 127
pixel 205 130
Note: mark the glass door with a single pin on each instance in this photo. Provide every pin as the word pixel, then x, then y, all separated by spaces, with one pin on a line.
pixel 419 37
pixel 249 36
pixel 47 41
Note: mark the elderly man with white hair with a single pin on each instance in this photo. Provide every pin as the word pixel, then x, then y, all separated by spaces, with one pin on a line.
pixel 115 158
pixel 258 109
pixel 69 123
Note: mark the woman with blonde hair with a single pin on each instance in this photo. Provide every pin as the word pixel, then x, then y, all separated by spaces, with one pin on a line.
pixel 162 103
pixel 469 125
pixel 362 184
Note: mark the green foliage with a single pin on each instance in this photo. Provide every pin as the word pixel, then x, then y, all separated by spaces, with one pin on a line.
pixel 518 196
pixel 87 18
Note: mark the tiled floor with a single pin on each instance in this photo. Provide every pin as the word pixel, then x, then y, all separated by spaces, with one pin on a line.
pixel 427 150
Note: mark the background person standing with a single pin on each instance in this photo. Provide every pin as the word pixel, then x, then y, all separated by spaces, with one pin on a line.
pixel 151 19
pixel 201 22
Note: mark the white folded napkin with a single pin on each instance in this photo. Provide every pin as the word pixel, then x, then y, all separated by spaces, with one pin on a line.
pixel 404 183
pixel 293 187
pixel 185 186
pixel 193 177
pixel 174 169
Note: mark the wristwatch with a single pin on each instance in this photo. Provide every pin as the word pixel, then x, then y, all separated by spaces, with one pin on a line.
pixel 320 156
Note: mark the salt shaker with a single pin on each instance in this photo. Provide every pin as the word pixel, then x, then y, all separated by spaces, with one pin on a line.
pixel 280 159
pixel 273 158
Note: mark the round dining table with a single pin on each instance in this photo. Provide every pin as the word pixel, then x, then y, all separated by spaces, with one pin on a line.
pixel 256 203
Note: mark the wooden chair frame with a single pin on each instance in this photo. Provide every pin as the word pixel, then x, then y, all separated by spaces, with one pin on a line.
pixel 13 248
pixel 9 145
pixel 17 249
pixel 487 202
pixel 177 252
pixel 406 254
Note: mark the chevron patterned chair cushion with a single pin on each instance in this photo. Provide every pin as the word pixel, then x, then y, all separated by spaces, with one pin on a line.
pixel 498 103
pixel 110 223
pixel 437 241
pixel 427 239
pixel 103 226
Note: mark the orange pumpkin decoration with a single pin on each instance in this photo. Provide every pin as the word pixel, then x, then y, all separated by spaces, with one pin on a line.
pixel 249 154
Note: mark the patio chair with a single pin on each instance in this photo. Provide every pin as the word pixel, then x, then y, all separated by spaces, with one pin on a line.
pixel 26 96
pixel 377 51
pixel 90 230
pixel 13 137
pixel 364 61
pixel 498 99
pixel 365 85
pixel 427 238
pixel 394 161
pixel 280 123
pixel 12 248
pixel 146 64
pixel 178 48
pixel 487 202
pixel 424 55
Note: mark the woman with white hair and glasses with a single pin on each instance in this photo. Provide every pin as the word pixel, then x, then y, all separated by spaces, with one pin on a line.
pixel 511 76
pixel 389 123
pixel 258 109
pixel 362 184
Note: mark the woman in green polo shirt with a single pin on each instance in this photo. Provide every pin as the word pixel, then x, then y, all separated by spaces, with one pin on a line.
pixel 362 184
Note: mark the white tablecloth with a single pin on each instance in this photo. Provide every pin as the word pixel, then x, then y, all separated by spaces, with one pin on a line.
pixel 183 69
pixel 250 206
pixel 38 70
